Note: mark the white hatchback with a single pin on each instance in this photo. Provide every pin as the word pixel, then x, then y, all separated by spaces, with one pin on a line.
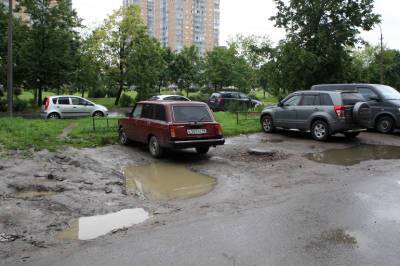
pixel 56 107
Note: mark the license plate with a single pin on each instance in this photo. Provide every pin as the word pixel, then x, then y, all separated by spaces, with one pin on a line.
pixel 197 131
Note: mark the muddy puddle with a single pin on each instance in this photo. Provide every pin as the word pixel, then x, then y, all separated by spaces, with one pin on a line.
pixel 87 228
pixel 355 155
pixel 167 181
pixel 33 194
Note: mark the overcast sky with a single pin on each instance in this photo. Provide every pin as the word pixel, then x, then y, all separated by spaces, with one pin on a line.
pixel 251 17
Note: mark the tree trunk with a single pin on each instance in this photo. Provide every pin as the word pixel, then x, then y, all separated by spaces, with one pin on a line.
pixel 121 88
pixel 35 94
pixel 40 96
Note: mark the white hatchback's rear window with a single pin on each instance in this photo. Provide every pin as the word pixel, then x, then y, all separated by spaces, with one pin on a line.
pixel 191 114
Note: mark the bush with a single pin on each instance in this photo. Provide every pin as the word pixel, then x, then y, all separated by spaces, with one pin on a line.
pixel 126 101
pixel 97 93
pixel 199 97
pixel 20 105
pixel 3 105
pixel 112 92
pixel 236 107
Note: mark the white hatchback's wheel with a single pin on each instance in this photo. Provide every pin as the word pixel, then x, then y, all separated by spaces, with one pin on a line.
pixel 53 116
pixel 98 114
pixel 154 147
pixel 320 130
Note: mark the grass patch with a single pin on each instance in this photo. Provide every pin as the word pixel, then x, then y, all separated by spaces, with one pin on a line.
pixel 84 136
pixel 231 128
pixel 24 134
pixel 39 134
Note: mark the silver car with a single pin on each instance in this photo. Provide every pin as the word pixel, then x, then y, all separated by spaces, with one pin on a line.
pixel 56 107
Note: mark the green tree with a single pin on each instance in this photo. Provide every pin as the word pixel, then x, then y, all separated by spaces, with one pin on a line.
pixel 219 67
pixel 20 31
pixel 51 52
pixel 186 68
pixel 144 66
pixel 115 41
pixel 319 32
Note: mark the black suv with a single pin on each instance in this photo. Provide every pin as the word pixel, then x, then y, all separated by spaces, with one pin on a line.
pixel 220 101
pixel 383 100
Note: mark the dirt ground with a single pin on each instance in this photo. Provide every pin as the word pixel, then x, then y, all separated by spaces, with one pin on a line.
pixel 41 193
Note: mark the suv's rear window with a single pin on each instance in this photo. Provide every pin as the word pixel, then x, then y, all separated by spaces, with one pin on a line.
pixel 191 114
pixel 352 98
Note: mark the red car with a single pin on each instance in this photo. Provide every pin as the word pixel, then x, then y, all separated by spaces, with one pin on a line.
pixel 171 124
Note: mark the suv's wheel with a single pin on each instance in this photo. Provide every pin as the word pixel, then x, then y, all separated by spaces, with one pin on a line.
pixel 320 130
pixel 53 116
pixel 267 124
pixel 98 114
pixel 385 124
pixel 154 147
pixel 123 138
pixel 351 135
pixel 202 150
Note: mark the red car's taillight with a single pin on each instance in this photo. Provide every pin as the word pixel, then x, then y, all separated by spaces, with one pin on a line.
pixel 218 130
pixel 172 131
pixel 339 110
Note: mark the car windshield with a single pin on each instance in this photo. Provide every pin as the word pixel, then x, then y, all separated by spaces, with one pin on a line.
pixel 191 114
pixel 388 92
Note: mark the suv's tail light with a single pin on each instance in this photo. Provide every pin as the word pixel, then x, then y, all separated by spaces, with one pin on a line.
pixel 172 131
pixel 220 100
pixel 218 129
pixel 46 103
pixel 339 110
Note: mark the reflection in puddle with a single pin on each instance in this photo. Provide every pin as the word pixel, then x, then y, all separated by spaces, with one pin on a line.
pixel 167 181
pixel 33 194
pixel 87 228
pixel 356 154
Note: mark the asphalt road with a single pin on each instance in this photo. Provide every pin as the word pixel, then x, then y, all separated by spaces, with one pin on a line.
pixel 287 210
pixel 353 220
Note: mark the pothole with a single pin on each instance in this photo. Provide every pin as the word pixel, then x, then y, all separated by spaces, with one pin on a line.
pixel 167 181
pixel 355 155
pixel 88 228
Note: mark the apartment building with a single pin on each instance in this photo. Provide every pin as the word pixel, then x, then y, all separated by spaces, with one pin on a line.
pixel 182 23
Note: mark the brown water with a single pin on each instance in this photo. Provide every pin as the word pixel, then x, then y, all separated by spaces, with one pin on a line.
pixel 87 228
pixel 33 194
pixel 355 155
pixel 167 181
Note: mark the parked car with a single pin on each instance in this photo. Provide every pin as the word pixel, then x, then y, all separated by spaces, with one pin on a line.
pixel 169 98
pixel 171 124
pixel 384 102
pixel 220 101
pixel 56 107
pixel 323 113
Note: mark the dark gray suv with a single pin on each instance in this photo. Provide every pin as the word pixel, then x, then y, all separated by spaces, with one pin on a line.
pixel 383 100
pixel 323 113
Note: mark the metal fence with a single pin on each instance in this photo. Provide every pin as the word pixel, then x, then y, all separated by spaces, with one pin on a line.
pixel 247 116
pixel 104 124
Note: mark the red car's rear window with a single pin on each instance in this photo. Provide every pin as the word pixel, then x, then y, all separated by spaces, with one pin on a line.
pixel 186 113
